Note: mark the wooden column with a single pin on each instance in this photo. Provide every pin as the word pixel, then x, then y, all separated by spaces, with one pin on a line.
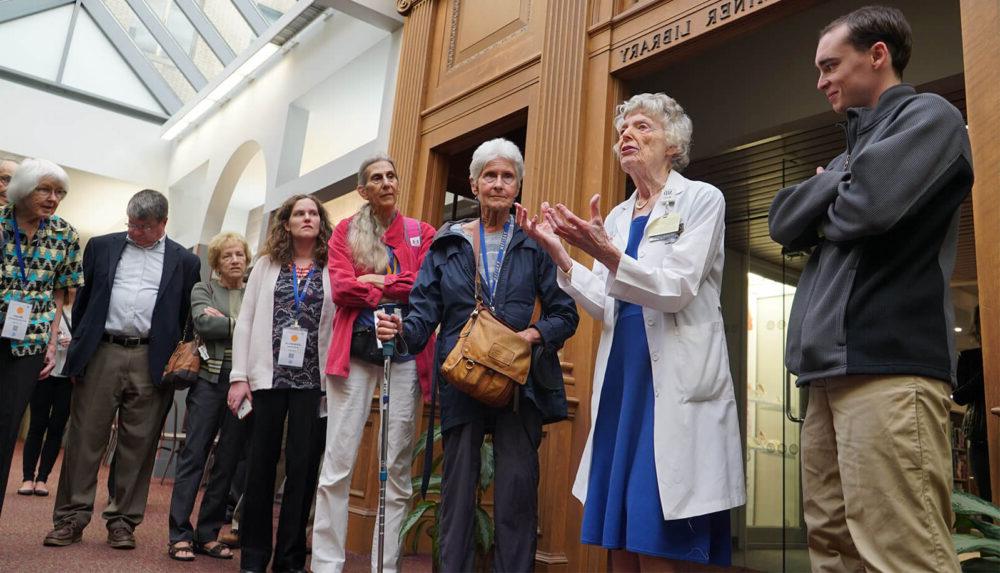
pixel 553 175
pixel 981 50
pixel 404 136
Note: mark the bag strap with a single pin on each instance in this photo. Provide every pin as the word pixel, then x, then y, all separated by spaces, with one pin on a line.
pixel 475 255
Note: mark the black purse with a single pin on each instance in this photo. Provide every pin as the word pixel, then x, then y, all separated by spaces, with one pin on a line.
pixel 364 346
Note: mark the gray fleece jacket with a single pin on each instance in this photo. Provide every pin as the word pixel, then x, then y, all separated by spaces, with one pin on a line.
pixel 882 223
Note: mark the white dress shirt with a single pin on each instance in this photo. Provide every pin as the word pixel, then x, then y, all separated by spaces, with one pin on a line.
pixel 133 295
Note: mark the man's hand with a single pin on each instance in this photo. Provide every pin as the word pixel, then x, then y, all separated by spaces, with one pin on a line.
pixel 50 360
pixel 376 280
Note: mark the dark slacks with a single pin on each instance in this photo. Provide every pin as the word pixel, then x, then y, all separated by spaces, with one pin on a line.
pixel 18 376
pixel 206 407
pixel 117 380
pixel 516 437
pixel 232 442
pixel 49 413
pixel 270 410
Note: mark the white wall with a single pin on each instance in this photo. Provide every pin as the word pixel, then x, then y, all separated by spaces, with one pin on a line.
pixel 78 135
pixel 260 114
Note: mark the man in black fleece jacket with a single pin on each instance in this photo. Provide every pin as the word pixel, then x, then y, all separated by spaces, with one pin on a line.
pixel 870 331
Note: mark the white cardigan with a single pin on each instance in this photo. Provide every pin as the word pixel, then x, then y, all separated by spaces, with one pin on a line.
pixel 253 353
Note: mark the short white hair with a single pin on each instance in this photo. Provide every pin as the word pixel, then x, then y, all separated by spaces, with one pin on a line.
pixel 665 110
pixel 29 174
pixel 492 150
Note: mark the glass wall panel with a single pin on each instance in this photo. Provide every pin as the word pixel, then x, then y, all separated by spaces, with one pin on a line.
pixel 34 44
pixel 229 22
pixel 95 66
pixel 189 39
pixel 274 9
pixel 150 48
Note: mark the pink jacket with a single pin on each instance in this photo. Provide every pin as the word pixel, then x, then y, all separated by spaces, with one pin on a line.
pixel 351 296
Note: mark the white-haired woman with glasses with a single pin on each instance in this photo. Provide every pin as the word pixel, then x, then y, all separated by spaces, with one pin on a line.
pixel 41 260
pixel 663 464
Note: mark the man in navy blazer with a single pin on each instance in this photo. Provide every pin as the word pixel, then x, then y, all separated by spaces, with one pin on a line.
pixel 128 318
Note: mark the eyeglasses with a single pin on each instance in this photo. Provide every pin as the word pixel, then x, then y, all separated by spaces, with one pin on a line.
pixel 144 227
pixel 5 179
pixel 506 178
pixel 59 194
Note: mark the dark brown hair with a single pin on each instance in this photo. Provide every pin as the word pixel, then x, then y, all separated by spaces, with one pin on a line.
pixel 872 24
pixel 279 241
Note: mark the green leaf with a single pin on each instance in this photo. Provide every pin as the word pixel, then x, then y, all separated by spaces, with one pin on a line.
pixel 414 516
pixel 437 463
pixel 965 543
pixel 422 441
pixel 487 466
pixel 433 484
pixel 989 530
pixel 484 530
pixel 435 542
pixel 981 565
pixel 415 538
pixel 967 504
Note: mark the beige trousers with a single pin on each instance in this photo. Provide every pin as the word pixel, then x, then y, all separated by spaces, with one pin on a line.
pixel 348 402
pixel 876 475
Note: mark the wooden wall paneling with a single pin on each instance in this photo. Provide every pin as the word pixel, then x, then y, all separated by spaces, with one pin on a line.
pixel 409 100
pixel 471 51
pixel 981 50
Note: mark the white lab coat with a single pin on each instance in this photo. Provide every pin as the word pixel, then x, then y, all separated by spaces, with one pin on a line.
pixel 696 437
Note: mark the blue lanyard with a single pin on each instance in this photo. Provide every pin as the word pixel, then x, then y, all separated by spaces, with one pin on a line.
pixel 295 289
pixel 17 250
pixel 492 283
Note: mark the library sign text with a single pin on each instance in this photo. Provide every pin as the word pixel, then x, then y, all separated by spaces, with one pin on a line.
pixel 703 20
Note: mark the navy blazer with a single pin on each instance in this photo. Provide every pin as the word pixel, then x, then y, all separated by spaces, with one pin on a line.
pixel 181 270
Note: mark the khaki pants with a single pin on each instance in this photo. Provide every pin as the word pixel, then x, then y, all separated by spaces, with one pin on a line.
pixel 876 475
pixel 348 402
pixel 117 380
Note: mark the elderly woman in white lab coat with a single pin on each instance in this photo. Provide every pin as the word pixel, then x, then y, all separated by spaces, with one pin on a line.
pixel 663 463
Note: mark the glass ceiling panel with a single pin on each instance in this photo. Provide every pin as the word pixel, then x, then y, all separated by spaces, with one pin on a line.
pixel 274 9
pixel 229 22
pixel 189 39
pixel 150 48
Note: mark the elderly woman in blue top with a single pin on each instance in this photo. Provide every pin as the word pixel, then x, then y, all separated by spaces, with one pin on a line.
pixel 41 260
pixel 663 463
pixel 514 273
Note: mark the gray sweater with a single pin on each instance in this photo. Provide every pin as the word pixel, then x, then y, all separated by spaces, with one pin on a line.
pixel 882 223
pixel 216 332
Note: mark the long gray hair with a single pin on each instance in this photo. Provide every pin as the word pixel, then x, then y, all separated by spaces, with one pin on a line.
pixel 364 237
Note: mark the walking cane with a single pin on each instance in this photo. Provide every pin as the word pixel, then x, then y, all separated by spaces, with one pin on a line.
pixel 388 347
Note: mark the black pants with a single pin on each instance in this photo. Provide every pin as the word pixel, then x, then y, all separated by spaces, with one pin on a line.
pixel 206 408
pixel 232 443
pixel 18 376
pixel 516 437
pixel 979 459
pixel 270 409
pixel 49 413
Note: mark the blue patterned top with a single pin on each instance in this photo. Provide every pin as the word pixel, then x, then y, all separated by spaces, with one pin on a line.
pixel 308 377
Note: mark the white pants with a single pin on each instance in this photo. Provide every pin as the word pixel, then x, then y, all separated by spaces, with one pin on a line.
pixel 348 403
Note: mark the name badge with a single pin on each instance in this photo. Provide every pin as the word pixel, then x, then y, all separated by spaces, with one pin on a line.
pixel 293 347
pixel 667 228
pixel 203 351
pixel 414 241
pixel 15 326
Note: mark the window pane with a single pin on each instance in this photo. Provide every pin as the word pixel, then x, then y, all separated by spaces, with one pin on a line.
pixel 150 48
pixel 274 9
pixel 185 34
pixel 229 22
pixel 34 44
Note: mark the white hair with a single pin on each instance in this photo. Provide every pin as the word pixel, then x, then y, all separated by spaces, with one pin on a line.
pixel 665 110
pixel 29 174
pixel 492 150
pixel 364 237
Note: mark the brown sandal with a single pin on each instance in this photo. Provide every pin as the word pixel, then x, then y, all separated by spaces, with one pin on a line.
pixel 174 550
pixel 214 549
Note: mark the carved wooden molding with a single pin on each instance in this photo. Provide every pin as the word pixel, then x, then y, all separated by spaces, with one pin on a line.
pixel 453 36
pixel 404 6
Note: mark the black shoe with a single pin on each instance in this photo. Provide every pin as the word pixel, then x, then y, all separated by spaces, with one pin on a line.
pixel 120 536
pixel 64 533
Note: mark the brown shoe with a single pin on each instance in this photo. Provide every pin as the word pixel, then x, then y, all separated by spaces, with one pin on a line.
pixel 230 538
pixel 65 533
pixel 120 536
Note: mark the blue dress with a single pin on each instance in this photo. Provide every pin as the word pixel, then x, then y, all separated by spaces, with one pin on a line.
pixel 623 509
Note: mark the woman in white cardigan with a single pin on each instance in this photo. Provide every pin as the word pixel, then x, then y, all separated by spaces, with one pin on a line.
pixel 279 352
